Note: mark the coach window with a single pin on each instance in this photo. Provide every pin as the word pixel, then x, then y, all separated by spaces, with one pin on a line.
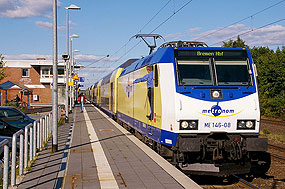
pixel 155 76
pixel 25 72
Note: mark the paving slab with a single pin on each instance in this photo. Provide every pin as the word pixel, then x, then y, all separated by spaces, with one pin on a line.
pixel 44 171
pixel 94 152
pixel 131 166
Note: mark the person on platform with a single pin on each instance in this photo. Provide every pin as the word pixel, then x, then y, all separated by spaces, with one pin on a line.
pixel 81 101
pixel 17 99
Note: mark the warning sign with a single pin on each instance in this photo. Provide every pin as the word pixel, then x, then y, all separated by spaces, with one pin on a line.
pixel 75 76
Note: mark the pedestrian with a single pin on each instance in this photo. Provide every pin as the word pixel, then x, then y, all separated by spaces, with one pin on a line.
pixel 17 99
pixel 81 101
pixel 148 78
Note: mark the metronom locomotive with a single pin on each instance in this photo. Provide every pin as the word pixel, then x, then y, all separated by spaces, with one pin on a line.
pixel 201 111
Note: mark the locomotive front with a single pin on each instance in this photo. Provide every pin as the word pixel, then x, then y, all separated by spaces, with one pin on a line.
pixel 217 112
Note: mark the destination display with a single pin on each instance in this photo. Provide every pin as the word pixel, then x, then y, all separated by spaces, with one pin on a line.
pixel 211 53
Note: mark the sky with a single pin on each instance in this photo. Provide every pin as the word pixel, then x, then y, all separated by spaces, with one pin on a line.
pixel 106 27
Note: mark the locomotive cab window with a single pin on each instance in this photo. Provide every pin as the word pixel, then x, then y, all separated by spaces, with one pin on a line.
pixel 213 68
pixel 233 72
pixel 194 72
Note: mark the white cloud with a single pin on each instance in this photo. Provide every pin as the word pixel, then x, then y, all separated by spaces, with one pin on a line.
pixel 190 33
pixel 268 36
pixel 175 36
pixel 78 58
pixel 48 25
pixel 27 57
pixel 93 58
pixel 25 8
pixel 271 35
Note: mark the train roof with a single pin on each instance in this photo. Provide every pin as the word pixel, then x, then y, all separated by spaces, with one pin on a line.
pixel 166 55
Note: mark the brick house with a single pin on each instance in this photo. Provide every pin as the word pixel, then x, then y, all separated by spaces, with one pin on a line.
pixel 37 76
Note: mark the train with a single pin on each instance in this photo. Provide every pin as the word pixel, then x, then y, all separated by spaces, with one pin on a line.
pixel 201 113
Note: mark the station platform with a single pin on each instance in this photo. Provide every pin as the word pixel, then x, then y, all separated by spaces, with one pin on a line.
pixel 99 153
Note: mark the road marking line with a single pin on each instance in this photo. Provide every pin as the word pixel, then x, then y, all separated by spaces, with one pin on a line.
pixel 105 174
pixel 64 162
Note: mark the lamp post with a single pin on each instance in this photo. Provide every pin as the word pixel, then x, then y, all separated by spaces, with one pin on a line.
pixel 70 72
pixel 72 7
pixel 54 88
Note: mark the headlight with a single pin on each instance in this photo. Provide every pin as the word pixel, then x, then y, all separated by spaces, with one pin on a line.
pixel 249 124
pixel 241 124
pixel 216 94
pixel 189 125
pixel 246 124
pixel 193 125
pixel 184 124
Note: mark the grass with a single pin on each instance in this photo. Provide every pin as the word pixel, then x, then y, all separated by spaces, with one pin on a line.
pixel 276 137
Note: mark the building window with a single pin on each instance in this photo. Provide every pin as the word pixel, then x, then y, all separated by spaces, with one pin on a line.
pixel 25 72
pixel 45 72
pixel 61 71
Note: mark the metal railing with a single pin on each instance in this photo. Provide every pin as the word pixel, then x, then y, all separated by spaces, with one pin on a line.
pixel 5 144
pixel 29 141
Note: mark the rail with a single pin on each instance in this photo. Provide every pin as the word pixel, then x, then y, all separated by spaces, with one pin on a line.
pixel 244 183
pixel 273 122
pixel 27 142
pixel 276 156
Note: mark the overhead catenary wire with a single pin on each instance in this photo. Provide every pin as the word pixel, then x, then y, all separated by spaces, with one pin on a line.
pixel 252 30
pixel 168 18
pixel 125 45
pixel 244 33
pixel 183 6
pixel 142 27
pixel 130 49
pixel 251 16
pixel 94 62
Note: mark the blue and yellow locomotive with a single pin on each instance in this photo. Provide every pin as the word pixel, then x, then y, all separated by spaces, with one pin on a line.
pixel 203 113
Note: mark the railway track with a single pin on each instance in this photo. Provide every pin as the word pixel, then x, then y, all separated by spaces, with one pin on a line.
pixel 279 148
pixel 278 157
pixel 273 122
pixel 243 183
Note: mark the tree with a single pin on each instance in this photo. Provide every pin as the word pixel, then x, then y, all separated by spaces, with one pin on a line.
pixel 271 77
pixel 238 43
pixel 2 70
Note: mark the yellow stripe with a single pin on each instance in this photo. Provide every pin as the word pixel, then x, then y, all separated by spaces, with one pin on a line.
pixel 220 116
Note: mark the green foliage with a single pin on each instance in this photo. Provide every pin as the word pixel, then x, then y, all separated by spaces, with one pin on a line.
pixel 238 43
pixel 271 77
pixel 2 70
pixel 271 80
pixel 266 131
